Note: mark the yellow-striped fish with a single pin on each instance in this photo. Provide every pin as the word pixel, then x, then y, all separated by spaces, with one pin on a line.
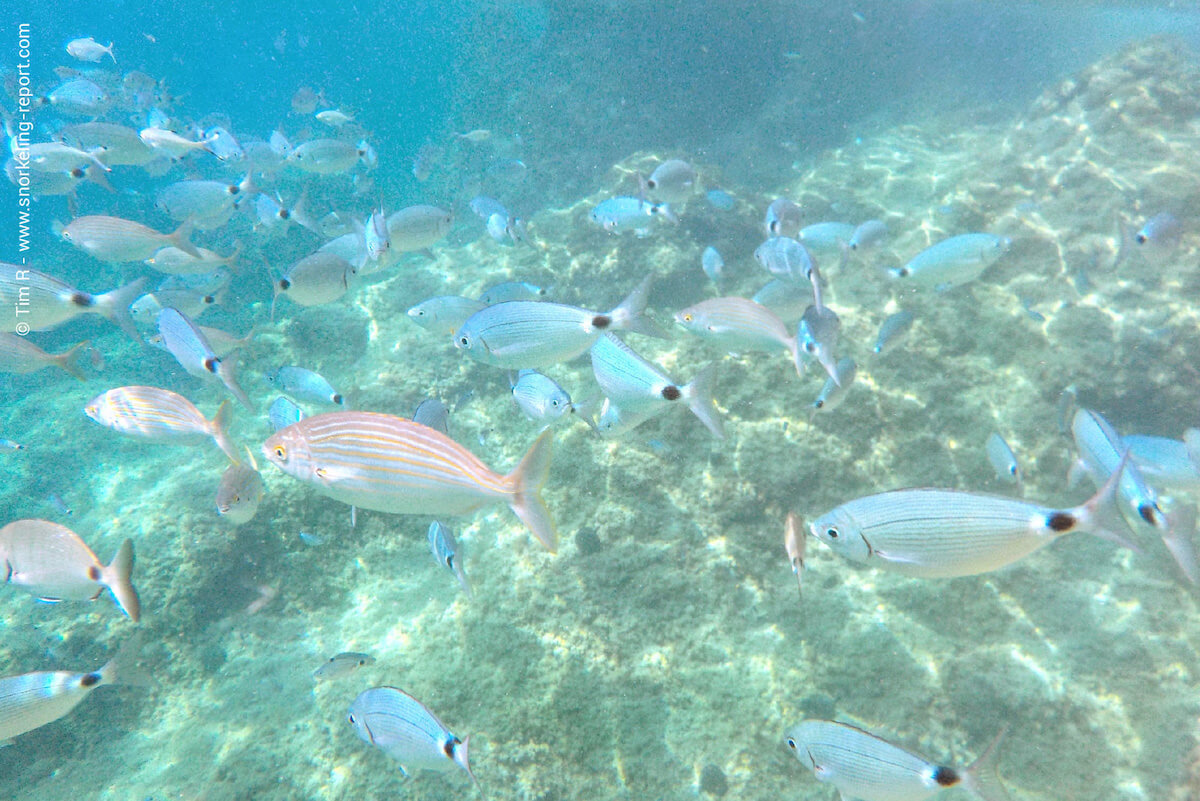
pixel 159 415
pixel 390 464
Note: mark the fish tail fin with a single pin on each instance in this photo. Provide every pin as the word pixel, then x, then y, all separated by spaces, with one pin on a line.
pixel 664 210
pixel 228 375
pixel 630 315
pixel 462 759
pixel 1101 516
pixel 109 49
pixel 527 481
pixel 72 360
pixel 981 779
pixel 219 428
pixel 115 306
pixel 123 667
pixel 180 238
pixel 698 394
pixel 1178 537
pixel 117 576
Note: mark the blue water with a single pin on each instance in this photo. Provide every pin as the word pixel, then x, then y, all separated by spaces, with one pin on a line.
pixel 662 651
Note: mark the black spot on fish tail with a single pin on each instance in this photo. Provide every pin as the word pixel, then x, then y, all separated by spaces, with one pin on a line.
pixel 90 680
pixel 93 573
pixel 601 321
pixel 1140 239
pixel 337 398
pixel 78 173
pixel 209 299
pixel 450 745
pixel 212 365
pixel 1061 521
pixel 284 285
pixel 233 189
pixel 1149 513
pixel 83 300
pixel 946 777
pixel 672 392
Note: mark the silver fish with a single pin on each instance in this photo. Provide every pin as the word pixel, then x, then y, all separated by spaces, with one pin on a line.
pixel 90 50
pixel 304 384
pixel 953 262
pixel 794 540
pixel 826 238
pixel 173 261
pixel 404 729
pixel 834 392
pixel 115 240
pixel 1162 231
pixel 10 445
pixel 326 156
pixel 343 664
pixel 785 258
pixel 240 492
pixel 673 181
pixel 433 413
pixel 120 144
pixel 1003 460
pixel 318 278
pixel 817 337
pixel 512 290
pixel 59 157
pixel 892 331
pixel 868 235
pixel 44 302
pixel 1164 461
pixel 936 533
pixel 223 144
pixel 159 415
pixel 783 218
pixel 712 264
pixel 79 97
pixel 866 767
pixel 52 563
pixel 375 234
pixel 523 333
pixel 170 144
pixel 445 312
pixel 201 200
pixel 445 550
pixel 1100 450
pixel 283 413
pixel 32 700
pixel 625 214
pixel 787 300
pixel 418 227
pixel 540 398
pixel 737 324
pixel 184 340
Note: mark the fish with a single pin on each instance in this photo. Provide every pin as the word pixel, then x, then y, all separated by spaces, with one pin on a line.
pixel 115 240
pixel 868 235
pixel 713 264
pixel 44 302
pixel 52 563
pixel 817 337
pixel 737 324
pixel 673 181
pixel 9 445
pixel 223 144
pixel 59 157
pixel 1162 231
pixel 173 261
pixel 326 156
pixel 172 145
pixel 389 464
pixel 833 392
pixel 793 544
pixel 784 257
pixel 283 413
pixel 1164 461
pixel 418 227
pixel 334 117
pixel 826 237
pixel 120 144
pixel 641 389
pixel 444 313
pixel 476 136
pixel 19 355
pixel 209 203
pixel 512 290
pixel 953 262
pixel 433 413
pixel 540 398
pixel 486 207
pixel 184 340
pixel 404 729
pixel 89 50
pixel 79 97
pixel 445 550
pixel 866 767
pixel 787 300
pixel 341 665
pixel 892 331
pixel 304 384
pixel 1002 459
pixel 783 218
pixel 159 415
pixel 318 278
pixel 938 533
pixel 624 214
pixel 426 160
pixel 31 700
pixel 1100 449
pixel 375 235
pixel 240 492
pixel 190 302
pixel 533 334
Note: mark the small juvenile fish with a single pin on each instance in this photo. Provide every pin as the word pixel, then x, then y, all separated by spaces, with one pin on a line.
pixel 445 550
pixel 673 181
pixel 1161 231
pixel 189 302
pixel 953 262
pixel 240 492
pixel 626 214
pixel 1002 459
pixel 52 563
pixel 893 331
pixel 512 290
pixel 19 355
pixel 445 312
pixel 433 413
pixel 866 767
pixel 712 264
pixel 476 136
pixel 375 234
pixel 404 729
pixel 540 398
pixel 318 278
pixel 159 415
pixel 32 700
pixel 342 665
pixel 833 392
pixel 10 445
pixel 304 384
pixel 90 50
pixel 783 218
pixel 184 340
pixel 211 201
pixel 311 540
pixel 868 235
pixel 223 144
pixel 283 413
pixel 115 240
pixel 794 540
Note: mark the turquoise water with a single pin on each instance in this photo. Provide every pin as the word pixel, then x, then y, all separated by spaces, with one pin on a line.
pixel 665 640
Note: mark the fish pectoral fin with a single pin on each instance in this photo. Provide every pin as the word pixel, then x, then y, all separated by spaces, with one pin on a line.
pixel 896 558
pixel 46 599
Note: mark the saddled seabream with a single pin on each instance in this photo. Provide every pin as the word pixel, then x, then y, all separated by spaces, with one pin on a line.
pixel 817 338
pixel 625 214
pixel 833 392
pixel 283 413
pixel 737 324
pixel 341 665
pixel 389 464
pixel 892 331
pixel 19 355
pixel 418 227
pixel 88 49
pixel 45 302
pixel 59 157
pixel 533 334
pixel 540 397
pixel 32 700
pixel 79 97
pixel 223 343
pixel 939 533
pixel 318 278
pixel 192 302
pixel 170 144
pixel 1000 455
pixel 433 413
pixel 160 415
pixel 447 553
pixel 868 768
pixel 173 261
pixel 326 156
pixel 223 144
pixel 783 218
pixel 119 144
pixel 304 384
pixel 209 203
pixel 787 300
pixel 784 257
pixel 512 290
pixel 867 235
pixel 952 262
pixel 52 563
pixel 640 389
pixel 1164 461
pixel 673 181
pixel 184 340
pixel 116 240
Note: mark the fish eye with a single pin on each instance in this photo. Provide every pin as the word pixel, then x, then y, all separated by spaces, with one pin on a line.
pixel 791 743
pixel 832 533
pixel 554 403
pixel 464 341
pixel 281 452
pixel 687 318
pixel 351 718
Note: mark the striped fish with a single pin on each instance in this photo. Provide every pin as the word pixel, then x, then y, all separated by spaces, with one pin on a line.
pixel 389 464
pixel 19 355
pixel 863 766
pixel 159 415
pixel 737 324
pixel 32 700
pixel 404 729
pixel 44 302
pixel 935 533
pixel 116 240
